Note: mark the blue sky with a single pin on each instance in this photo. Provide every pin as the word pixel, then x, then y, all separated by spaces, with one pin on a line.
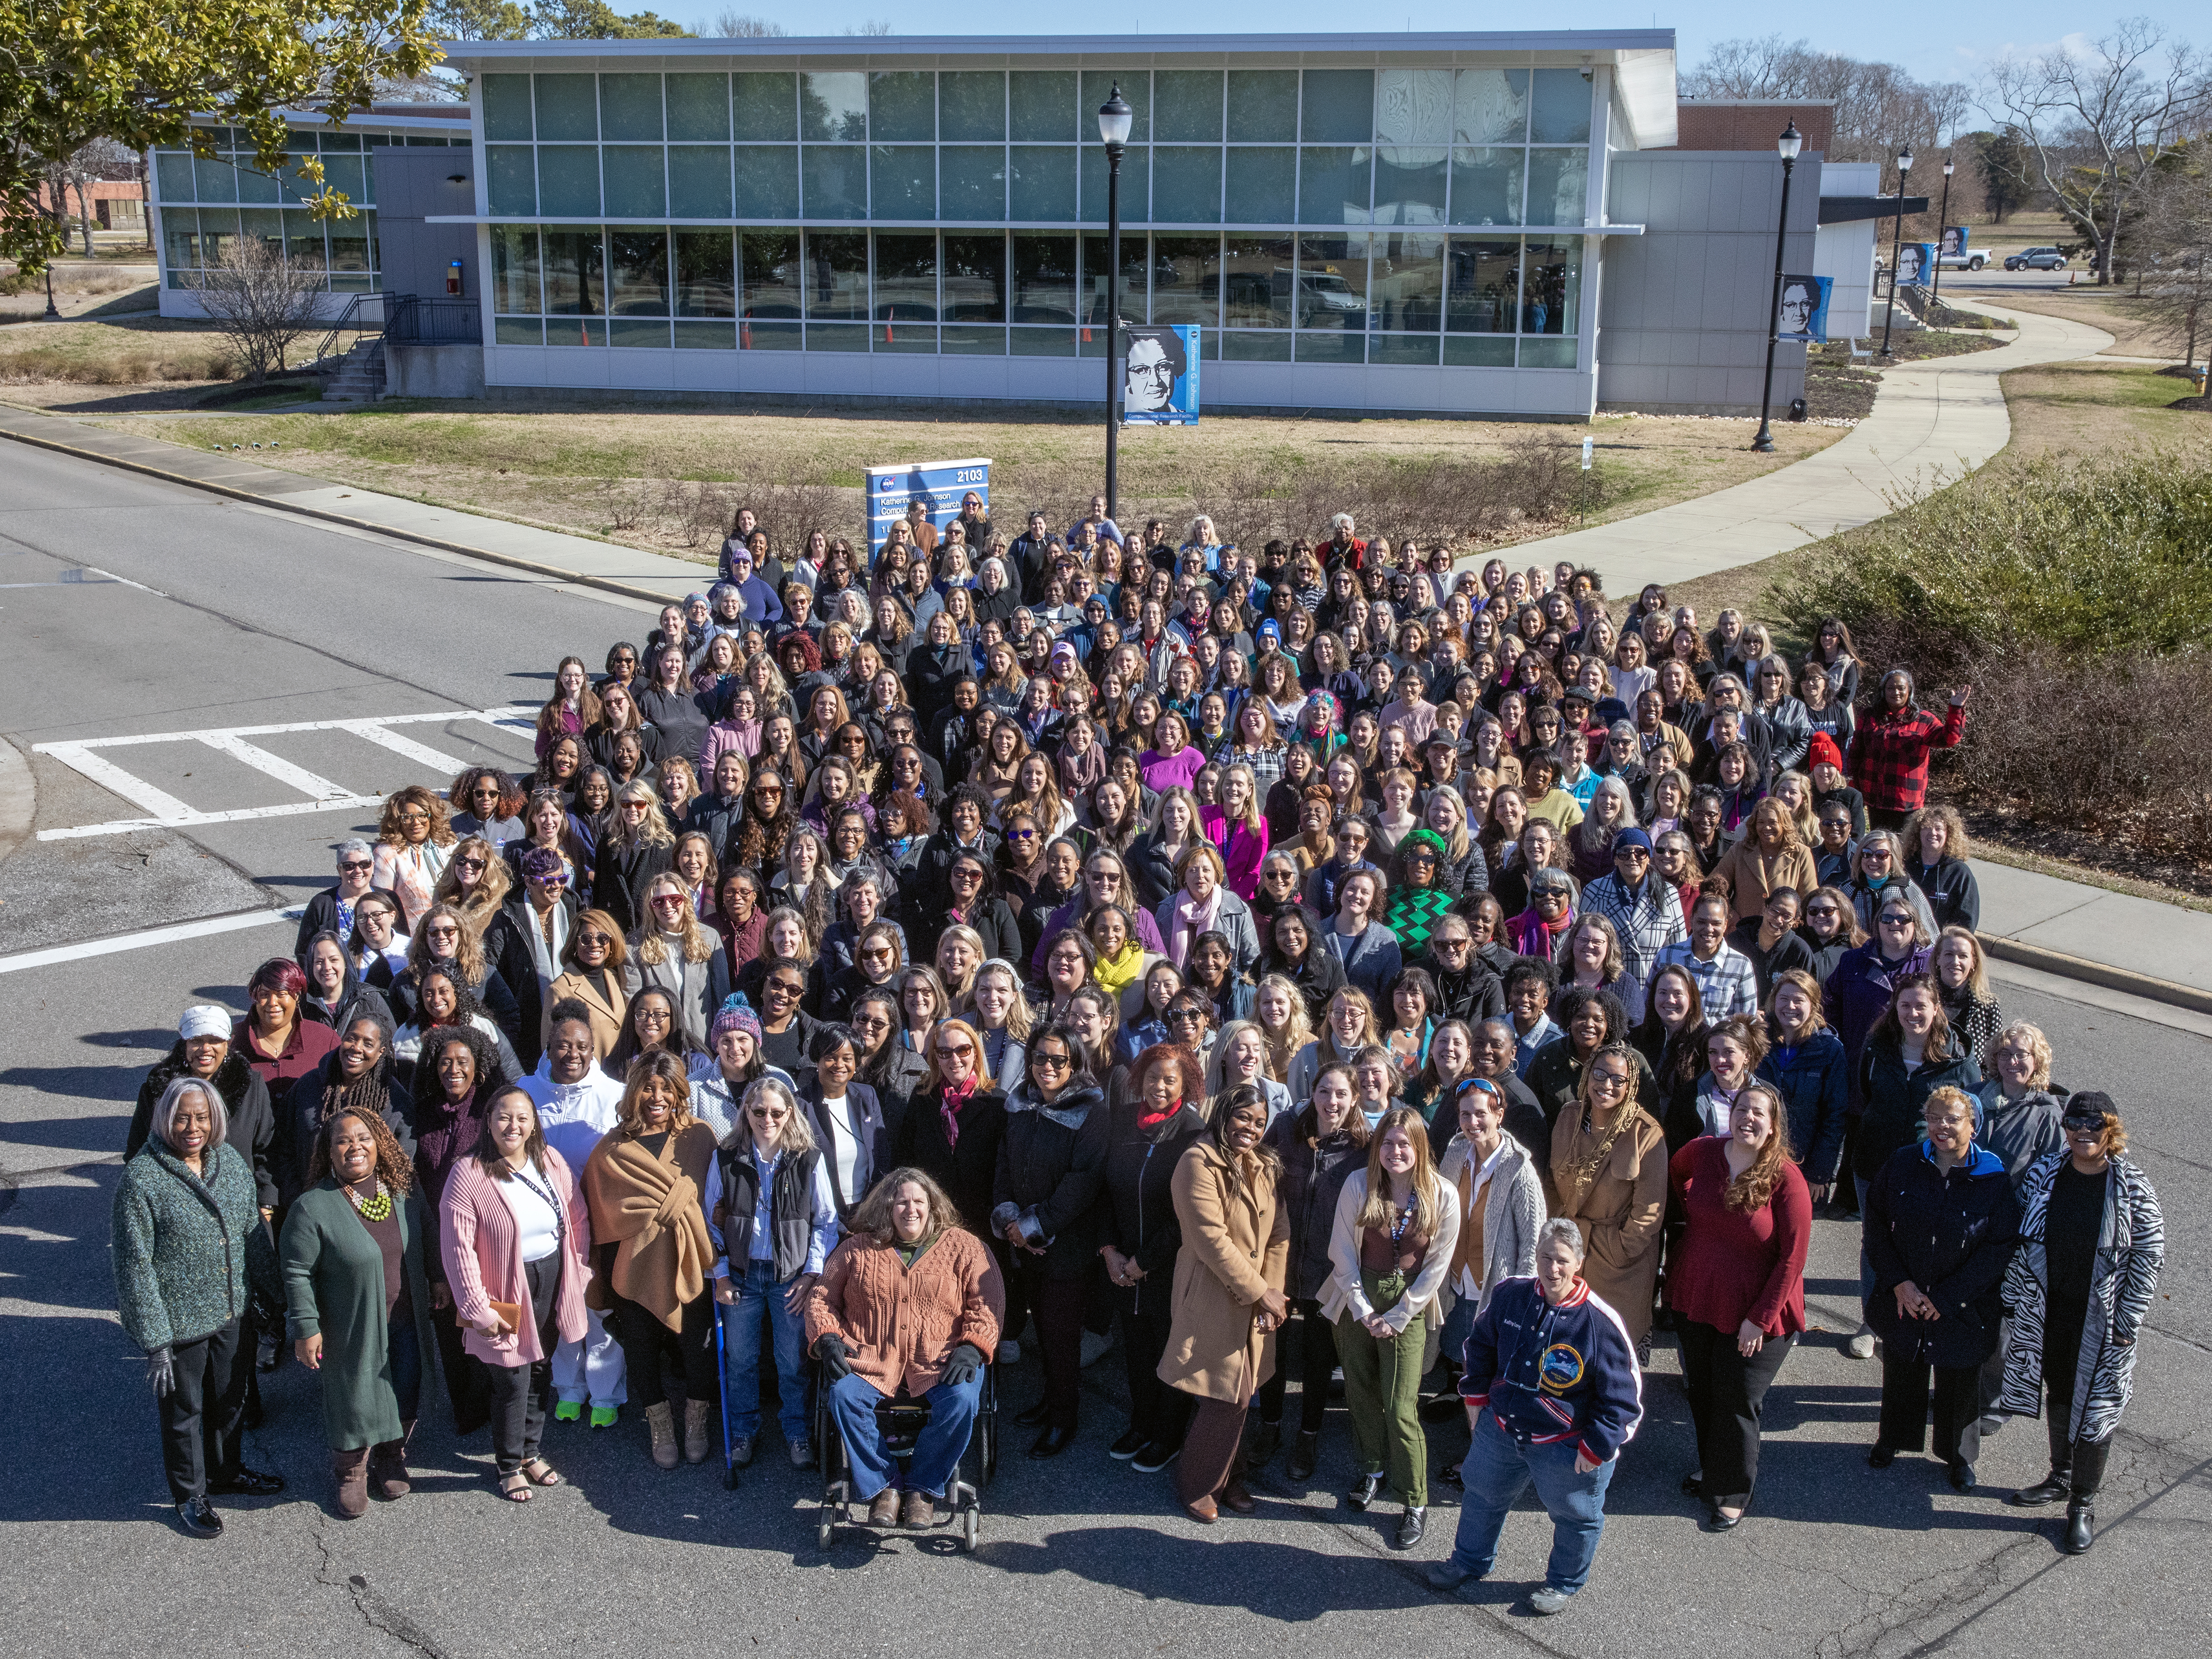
pixel 1956 42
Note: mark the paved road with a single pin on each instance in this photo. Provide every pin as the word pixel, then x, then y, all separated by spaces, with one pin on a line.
pixel 256 620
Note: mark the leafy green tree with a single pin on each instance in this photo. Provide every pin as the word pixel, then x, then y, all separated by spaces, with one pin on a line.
pixel 595 19
pixel 136 71
pixel 2005 161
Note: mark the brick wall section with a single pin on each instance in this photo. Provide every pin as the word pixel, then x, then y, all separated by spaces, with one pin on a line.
pixel 1752 126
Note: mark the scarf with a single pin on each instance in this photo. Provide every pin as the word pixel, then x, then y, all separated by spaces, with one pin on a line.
pixel 1190 920
pixel 951 1099
pixel 648 1208
pixel 1149 1121
pixel 1117 973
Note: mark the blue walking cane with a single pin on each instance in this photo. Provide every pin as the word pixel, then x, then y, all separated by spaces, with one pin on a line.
pixel 722 1394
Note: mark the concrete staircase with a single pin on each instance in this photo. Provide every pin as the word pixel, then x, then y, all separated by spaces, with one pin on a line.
pixel 360 379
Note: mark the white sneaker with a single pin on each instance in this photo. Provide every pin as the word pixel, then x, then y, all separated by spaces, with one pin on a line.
pixel 1544 1600
pixel 1861 1346
pixel 1009 1353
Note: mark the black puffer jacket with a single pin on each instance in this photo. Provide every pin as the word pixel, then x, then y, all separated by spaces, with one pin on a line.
pixel 1314 1174
pixel 1053 1161
pixel 1140 1164
pixel 252 1121
pixel 1953 1235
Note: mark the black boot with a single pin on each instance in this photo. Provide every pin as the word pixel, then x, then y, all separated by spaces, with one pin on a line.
pixel 2081 1527
pixel 2049 1490
pixel 1267 1441
pixel 2089 1459
pixel 1306 1453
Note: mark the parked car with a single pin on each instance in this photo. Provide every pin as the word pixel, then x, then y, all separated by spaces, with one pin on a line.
pixel 2036 258
pixel 1971 261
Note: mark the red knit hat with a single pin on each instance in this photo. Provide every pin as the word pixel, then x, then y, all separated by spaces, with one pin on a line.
pixel 1823 748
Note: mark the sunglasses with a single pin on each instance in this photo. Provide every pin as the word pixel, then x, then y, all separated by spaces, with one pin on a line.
pixel 2078 1123
pixel 948 1051
pixel 1021 835
pixel 1056 1062
pixel 783 988
pixel 1185 1016
pixel 468 864
pixel 550 881
pixel 669 901
pixel 355 869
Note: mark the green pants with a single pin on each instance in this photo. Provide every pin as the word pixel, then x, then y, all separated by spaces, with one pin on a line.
pixel 1382 1387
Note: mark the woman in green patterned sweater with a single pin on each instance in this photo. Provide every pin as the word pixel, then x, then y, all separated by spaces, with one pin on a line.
pixel 1416 904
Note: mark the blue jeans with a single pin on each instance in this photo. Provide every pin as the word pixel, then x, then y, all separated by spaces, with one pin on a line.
pixel 760 1303
pixel 1458 1325
pixel 853 1402
pixel 1496 1472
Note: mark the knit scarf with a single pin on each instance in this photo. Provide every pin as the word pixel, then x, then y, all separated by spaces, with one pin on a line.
pixel 1118 972
pixel 951 1099
pixel 1149 1121
pixel 1190 920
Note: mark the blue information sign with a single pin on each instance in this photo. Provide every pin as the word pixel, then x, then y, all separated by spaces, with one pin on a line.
pixel 940 486
pixel 1159 380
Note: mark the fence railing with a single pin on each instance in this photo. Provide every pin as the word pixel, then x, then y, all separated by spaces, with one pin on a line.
pixel 415 320
pixel 364 314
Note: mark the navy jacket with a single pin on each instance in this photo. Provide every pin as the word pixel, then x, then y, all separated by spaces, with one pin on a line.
pixel 1549 1375
pixel 1814 1081
pixel 1951 1234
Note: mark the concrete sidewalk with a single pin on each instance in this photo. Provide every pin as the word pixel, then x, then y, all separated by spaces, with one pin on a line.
pixel 2081 933
pixel 646 578
pixel 1947 413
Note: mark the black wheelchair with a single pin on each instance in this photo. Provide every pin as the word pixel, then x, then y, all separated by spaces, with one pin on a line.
pixel 902 1422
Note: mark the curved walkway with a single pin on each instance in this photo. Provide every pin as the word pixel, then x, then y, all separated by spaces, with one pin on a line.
pixel 1949 413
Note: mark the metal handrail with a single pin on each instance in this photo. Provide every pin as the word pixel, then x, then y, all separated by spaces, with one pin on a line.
pixel 349 320
pixel 410 319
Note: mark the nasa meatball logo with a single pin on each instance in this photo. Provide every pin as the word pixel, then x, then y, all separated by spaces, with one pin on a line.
pixel 1560 1369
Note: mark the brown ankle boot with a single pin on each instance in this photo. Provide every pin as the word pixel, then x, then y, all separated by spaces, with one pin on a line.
pixel 350 1470
pixel 697 1444
pixel 661 1420
pixel 387 1466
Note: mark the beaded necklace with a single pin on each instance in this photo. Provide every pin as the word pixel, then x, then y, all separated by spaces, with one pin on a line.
pixel 375 1208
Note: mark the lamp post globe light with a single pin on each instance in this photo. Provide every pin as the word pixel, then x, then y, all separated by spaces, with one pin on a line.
pixel 1942 220
pixel 1114 119
pixel 1897 244
pixel 1787 147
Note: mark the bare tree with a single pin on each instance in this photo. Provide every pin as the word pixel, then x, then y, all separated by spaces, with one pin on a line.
pixel 77 173
pixel 263 301
pixel 729 24
pixel 2097 122
pixel 2173 268
pixel 873 26
pixel 1879 108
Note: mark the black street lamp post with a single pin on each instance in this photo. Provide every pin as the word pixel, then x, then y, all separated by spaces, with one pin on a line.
pixel 1897 246
pixel 1787 147
pixel 1942 225
pixel 1115 118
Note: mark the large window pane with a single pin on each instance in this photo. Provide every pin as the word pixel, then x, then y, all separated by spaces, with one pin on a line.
pixel 629 108
pixel 699 182
pixel 174 173
pixel 1041 182
pixel 1490 106
pixel 568 180
pixel 1043 107
pixel 1136 92
pixel 1187 105
pixel 1256 348
pixel 515 282
pixel 219 234
pixel 903 333
pixel 1559 181
pixel 838 275
pixel 1479 350
pixel 770 278
pixel 1485 186
pixel 1406 288
pixel 1186 280
pixel 1333 186
pixel 699 107
pixel 1044 279
pixel 975 278
pixel 1332 346
pixel 303 241
pixel 763 107
pixel 1095 267
pixel 629 331
pixel 971 181
pixel 217 181
pixel 1413 107
pixel 353 242
pixel 1042 343
pixel 1545 352
pixel 255 185
pixel 264 225
pixel 836 337
pixel 706 336
pixel 971 105
pixel 903 181
pixel 1263 187
pixel 575 272
pixel 973 340
pixel 837 181
pixel 1332 289
pixel 1263 105
pixel 1256 281
pixel 340 173
pixel 1338 106
pixel 511 180
pixel 706 273
pixel 1186 184
pixel 1552 303
pixel 506 106
pixel 1559 110
pixel 180 234
pixel 901 106
pixel 906 276
pixel 1409 185
pixel 637 188
pixel 517 331
pixel 567 107
pixel 767 181
pixel 834 108
pixel 1402 349
pixel 1485 286
pixel 1135 171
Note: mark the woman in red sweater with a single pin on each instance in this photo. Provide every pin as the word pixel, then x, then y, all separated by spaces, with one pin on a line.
pixel 1737 1286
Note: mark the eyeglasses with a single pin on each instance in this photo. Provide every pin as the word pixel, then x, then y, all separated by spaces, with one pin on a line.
pixel 1823 910
pixel 588 940
pixel 1611 1082
pixel 1451 944
pixel 414 817
pixel 1874 855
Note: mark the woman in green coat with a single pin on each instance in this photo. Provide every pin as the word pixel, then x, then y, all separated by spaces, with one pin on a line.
pixel 358 1300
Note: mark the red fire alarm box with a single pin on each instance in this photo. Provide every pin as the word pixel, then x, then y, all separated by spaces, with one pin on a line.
pixel 453 278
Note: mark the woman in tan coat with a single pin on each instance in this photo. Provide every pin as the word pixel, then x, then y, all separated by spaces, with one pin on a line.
pixel 1609 1174
pixel 644 1182
pixel 1773 855
pixel 1228 1297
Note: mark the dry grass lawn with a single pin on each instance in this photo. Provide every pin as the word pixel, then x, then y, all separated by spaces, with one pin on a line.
pixel 140 351
pixel 639 476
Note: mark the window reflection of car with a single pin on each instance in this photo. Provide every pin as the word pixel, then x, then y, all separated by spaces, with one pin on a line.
pixel 1322 298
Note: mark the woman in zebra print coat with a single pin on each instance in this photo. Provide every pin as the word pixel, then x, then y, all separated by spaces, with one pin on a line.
pixel 2078 1289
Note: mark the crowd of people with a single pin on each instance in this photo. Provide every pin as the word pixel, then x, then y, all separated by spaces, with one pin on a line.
pixel 1084 932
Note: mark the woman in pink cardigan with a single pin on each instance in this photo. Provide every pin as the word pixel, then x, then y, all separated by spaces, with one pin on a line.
pixel 516 1231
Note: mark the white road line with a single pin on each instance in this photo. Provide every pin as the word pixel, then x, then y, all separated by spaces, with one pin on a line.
pixel 113 779
pixel 188 819
pixel 308 783
pixel 95 570
pixel 498 716
pixel 183 930
pixel 373 731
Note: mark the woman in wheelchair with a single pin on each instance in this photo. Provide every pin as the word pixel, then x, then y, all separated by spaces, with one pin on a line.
pixel 907 1309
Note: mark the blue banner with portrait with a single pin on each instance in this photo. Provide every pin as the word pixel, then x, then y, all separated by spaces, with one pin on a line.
pixel 1804 308
pixel 1915 264
pixel 940 486
pixel 1955 238
pixel 1159 376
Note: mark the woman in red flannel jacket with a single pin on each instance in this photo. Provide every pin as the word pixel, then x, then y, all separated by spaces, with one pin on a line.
pixel 1889 754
